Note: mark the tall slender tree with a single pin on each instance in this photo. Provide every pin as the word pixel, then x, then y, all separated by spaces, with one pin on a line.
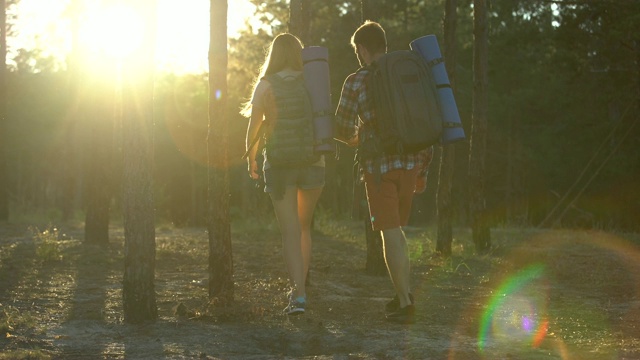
pixel 4 188
pixel 375 263
pixel 448 154
pixel 218 221
pixel 138 291
pixel 367 10
pixel 480 225
pixel 98 109
pixel 299 19
pixel 69 166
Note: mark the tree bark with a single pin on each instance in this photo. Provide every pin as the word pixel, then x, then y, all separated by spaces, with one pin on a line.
pixel 375 264
pixel 98 195
pixel 4 183
pixel 480 223
pixel 219 224
pixel 448 154
pixel 139 298
pixel 299 19
pixel 99 112
pixel 70 163
pixel 367 11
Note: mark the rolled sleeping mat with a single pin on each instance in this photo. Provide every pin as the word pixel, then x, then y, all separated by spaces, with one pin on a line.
pixel 316 77
pixel 452 130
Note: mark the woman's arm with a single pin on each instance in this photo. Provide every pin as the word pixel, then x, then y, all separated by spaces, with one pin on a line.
pixel 252 142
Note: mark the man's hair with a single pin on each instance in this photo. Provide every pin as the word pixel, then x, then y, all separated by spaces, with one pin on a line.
pixel 371 35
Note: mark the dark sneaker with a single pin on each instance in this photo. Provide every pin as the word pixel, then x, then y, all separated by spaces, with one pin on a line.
pixel 403 315
pixel 394 304
pixel 296 306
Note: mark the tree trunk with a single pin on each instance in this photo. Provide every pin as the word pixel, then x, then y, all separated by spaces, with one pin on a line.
pixel 70 156
pixel 367 10
pixel 375 256
pixel 448 154
pixel 4 182
pixel 139 297
pixel 508 189
pixel 98 198
pixel 480 223
pixel 376 264
pixel 99 112
pixel 219 224
pixel 299 19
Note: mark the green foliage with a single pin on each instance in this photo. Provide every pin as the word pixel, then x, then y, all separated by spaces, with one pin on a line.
pixel 11 16
pixel 555 75
pixel 25 355
pixel 327 222
pixel 254 226
pixel 561 75
pixel 6 321
pixel 455 266
pixel 181 126
pixel 47 244
pixel 13 319
pixel 33 61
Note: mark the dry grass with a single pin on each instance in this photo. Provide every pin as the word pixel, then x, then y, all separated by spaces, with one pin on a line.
pixel 537 295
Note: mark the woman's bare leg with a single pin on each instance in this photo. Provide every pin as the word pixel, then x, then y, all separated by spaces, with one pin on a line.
pixel 307 200
pixel 286 210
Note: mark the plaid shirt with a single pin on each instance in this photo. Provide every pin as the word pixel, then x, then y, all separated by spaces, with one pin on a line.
pixel 355 110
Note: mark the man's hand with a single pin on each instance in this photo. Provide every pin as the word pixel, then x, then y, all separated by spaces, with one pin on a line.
pixel 253 169
pixel 421 184
pixel 354 141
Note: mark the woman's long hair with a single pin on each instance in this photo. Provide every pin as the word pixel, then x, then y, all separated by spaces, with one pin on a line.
pixel 285 52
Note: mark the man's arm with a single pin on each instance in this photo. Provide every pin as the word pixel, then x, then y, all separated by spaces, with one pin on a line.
pixel 346 117
pixel 421 181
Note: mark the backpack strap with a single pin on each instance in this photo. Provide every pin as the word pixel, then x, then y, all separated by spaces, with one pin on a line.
pixel 253 143
pixel 262 129
pixel 278 79
pixel 360 161
pixel 435 61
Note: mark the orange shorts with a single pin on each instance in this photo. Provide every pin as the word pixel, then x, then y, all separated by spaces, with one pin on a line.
pixel 390 197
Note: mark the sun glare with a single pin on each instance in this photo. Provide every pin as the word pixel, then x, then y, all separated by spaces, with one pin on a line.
pixel 183 35
pixel 185 43
pixel 114 31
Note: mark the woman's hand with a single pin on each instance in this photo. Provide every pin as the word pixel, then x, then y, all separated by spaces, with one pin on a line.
pixel 253 169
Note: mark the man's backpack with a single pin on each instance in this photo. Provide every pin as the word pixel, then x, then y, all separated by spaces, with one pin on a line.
pixel 289 137
pixel 404 97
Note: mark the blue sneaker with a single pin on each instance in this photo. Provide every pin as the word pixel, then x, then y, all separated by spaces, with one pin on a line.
pixel 296 306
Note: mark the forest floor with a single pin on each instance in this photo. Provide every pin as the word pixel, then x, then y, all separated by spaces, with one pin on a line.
pixel 553 294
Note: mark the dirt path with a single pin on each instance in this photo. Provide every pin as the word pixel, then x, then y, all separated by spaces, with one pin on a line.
pixel 538 295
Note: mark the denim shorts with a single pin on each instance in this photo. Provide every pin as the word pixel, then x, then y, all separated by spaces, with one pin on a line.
pixel 276 180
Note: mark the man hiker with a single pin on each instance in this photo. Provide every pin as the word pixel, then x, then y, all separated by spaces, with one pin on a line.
pixel 390 179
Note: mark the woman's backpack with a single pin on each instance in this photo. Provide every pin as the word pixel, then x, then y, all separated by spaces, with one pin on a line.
pixel 289 136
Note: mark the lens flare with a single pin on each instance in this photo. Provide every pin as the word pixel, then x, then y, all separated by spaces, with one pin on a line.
pixel 517 311
pixel 565 293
